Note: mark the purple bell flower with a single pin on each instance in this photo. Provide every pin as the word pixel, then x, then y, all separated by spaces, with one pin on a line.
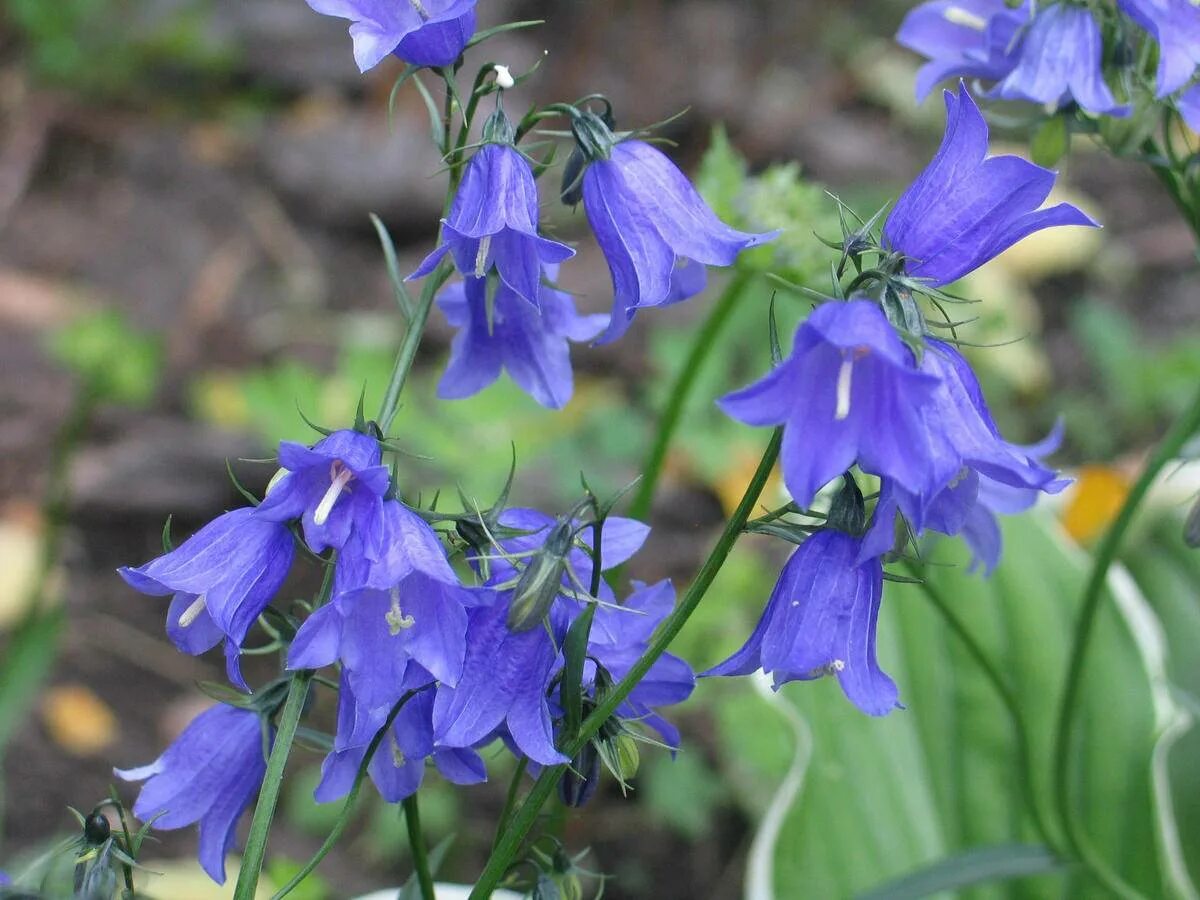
pixel 400 543
pixel 963 38
pixel 649 220
pixel 398 766
pixel 850 392
pixel 532 343
pixel 331 487
pixel 494 222
pixel 222 578
pixel 820 620
pixel 967 208
pixel 422 32
pixel 209 775
pixel 1060 62
pixel 1175 24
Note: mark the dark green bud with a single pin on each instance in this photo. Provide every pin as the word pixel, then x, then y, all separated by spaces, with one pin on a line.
pixel 498 129
pixel 542 579
pixel 579 782
pixel 96 829
pixel 848 512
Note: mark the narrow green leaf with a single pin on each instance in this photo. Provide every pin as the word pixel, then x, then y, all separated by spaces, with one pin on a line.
pixel 574 655
pixel 983 865
pixel 403 300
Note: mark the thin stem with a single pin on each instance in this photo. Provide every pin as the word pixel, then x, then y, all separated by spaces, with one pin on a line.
pixel 1048 835
pixel 264 811
pixel 525 817
pixel 416 841
pixel 510 800
pixel 1183 428
pixel 680 392
pixel 408 348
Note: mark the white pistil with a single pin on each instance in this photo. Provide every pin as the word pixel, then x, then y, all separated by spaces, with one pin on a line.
pixel 192 613
pixel 339 477
pixel 504 79
pixel 845 374
pixel 481 255
pixel 396 620
pixel 956 15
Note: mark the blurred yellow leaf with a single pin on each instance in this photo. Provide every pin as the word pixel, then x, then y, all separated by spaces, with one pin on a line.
pixel 732 485
pixel 20 548
pixel 78 721
pixel 183 879
pixel 1094 501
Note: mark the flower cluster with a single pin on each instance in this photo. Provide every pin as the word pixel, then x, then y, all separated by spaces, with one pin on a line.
pixel 900 405
pixel 432 667
pixel 1054 53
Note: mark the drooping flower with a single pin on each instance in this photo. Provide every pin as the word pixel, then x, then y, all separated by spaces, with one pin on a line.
pixel 222 578
pixel 963 38
pixel 1060 62
pixel 398 766
pixel 966 207
pixel 820 620
pixel 398 544
pixel 1175 24
pixel 422 32
pixel 209 775
pixel 331 487
pixel 531 343
pixel 649 221
pixel 493 222
pixel 850 392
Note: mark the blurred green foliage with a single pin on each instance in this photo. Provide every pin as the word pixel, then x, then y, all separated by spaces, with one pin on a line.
pixel 115 362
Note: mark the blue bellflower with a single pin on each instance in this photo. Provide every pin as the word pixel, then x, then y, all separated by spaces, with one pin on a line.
pixel 331 487
pixel 493 222
pixel 820 620
pixel 209 775
pixel 222 578
pixel 963 38
pixel 1175 24
pixel 398 766
pixel 1060 63
pixel 421 32
pixel 649 220
pixel 850 392
pixel 390 549
pixel 967 208
pixel 531 343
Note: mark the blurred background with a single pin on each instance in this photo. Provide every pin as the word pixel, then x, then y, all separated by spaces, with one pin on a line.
pixel 186 261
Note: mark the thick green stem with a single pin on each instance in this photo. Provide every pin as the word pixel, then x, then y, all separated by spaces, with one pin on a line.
pixel 416 842
pixel 1183 428
pixel 268 797
pixel 680 392
pixel 523 820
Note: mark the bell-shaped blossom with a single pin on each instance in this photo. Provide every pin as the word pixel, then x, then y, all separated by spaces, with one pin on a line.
pixel 377 634
pixel 532 343
pixel 209 775
pixel 334 486
pixel 1175 25
pixel 504 684
pixel 400 543
pixel 422 32
pixel 649 220
pixel 222 578
pixel 493 222
pixel 966 207
pixel 1060 62
pixel 963 38
pixel 398 765
pixel 820 620
pixel 618 638
pixel 850 392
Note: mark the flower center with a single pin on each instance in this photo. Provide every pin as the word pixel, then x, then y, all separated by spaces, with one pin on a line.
pixel 192 613
pixel 396 620
pixel 956 15
pixel 340 475
pixel 481 255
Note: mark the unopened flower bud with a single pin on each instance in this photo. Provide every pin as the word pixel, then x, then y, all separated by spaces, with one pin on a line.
pixel 579 782
pixel 542 579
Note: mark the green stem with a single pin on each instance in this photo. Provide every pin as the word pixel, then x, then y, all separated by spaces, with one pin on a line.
pixel 268 797
pixel 1183 428
pixel 523 820
pixel 510 800
pixel 680 392
pixel 1048 834
pixel 416 841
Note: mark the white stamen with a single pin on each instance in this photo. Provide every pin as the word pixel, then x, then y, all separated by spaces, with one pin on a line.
pixel 481 255
pixel 279 475
pixel 420 9
pixel 192 613
pixel 504 79
pixel 339 477
pixel 837 665
pixel 398 758
pixel 396 620
pixel 956 15
pixel 845 373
